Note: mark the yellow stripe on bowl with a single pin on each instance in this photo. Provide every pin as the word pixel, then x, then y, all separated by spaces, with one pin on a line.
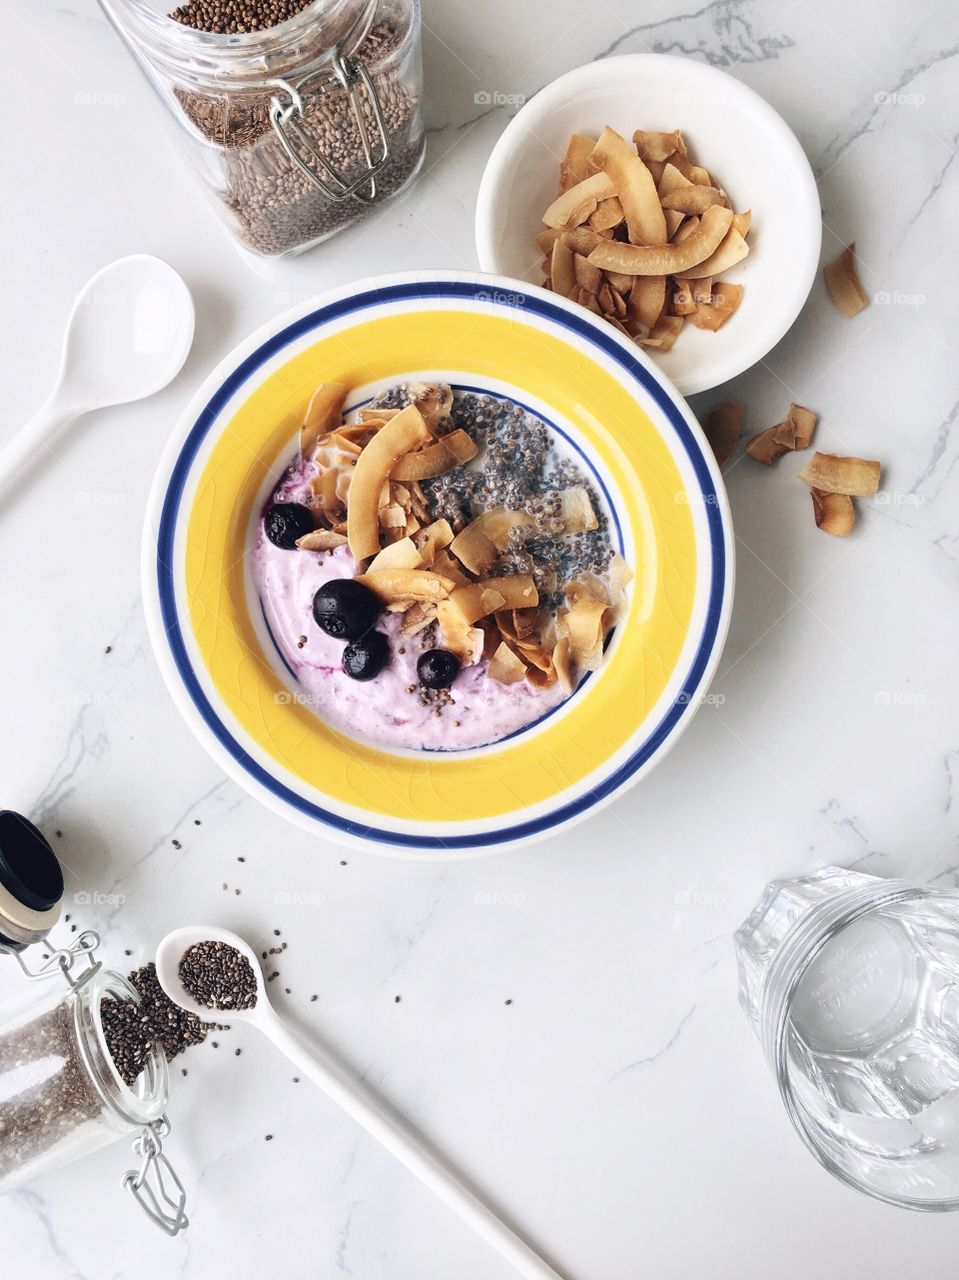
pixel 651 502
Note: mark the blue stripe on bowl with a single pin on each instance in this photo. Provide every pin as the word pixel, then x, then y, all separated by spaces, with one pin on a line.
pixel 466 290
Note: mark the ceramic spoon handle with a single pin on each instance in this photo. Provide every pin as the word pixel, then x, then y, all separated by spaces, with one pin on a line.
pixel 29 444
pixel 408 1148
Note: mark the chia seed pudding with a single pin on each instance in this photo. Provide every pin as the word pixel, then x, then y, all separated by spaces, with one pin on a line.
pixel 521 468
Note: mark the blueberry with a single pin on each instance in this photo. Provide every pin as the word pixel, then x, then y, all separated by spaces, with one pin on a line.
pixel 365 658
pixel 287 521
pixel 437 668
pixel 344 608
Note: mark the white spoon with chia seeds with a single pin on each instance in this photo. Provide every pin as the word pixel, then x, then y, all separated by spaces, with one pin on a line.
pixel 129 332
pixel 216 974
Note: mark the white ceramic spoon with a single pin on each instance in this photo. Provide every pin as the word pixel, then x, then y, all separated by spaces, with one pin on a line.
pixel 402 1142
pixel 128 335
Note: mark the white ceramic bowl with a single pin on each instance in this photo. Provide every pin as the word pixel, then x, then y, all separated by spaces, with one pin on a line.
pixel 730 130
pixel 669 518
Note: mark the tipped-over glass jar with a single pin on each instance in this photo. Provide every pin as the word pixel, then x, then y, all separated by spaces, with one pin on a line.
pixel 296 130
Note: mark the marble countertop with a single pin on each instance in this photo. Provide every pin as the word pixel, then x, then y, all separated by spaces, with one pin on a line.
pixel 561 1022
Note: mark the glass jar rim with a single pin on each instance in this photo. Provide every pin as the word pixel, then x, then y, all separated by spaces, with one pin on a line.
pixel 214 58
pixel 147 1099
pixel 774 1021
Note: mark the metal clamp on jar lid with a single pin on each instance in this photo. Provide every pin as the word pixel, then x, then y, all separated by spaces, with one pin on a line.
pixel 31 883
pixel 349 74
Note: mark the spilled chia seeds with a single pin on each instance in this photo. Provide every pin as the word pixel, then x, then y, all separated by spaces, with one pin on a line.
pixel 132 1029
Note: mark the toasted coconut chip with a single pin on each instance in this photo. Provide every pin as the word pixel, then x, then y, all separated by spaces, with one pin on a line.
pixel 618 281
pixel 619 574
pixel 647 299
pixel 658 146
pixel 582 212
pixel 450 568
pixel 742 222
pixel 392 516
pixel 765 448
pixel 587 276
pixel 607 214
pixel 668 259
pixel 408 584
pixel 582 240
pixel 712 316
pixel 694 172
pixel 527 622
pixel 585 626
pixel 611 303
pixel 843 283
pixel 634 185
pixel 564 664
pixel 732 250
pixel 546 239
pixel 596 187
pixel 517 591
pixel 474 549
pixel 323 495
pixel 433 399
pixel 576 510
pixel 722 427
pixel 575 164
pixel 663 333
pixel 402 434
pixel 834 513
pixel 693 199
pixel 682 303
pixel 433 538
pixel 702 290
pixel 483 538
pixel 686 230
pixel 670 181
pixel 449 451
pixel 458 635
pixel 323 414
pixel 674 221
pixel 857 477
pixel 321 540
pixel 400 555
pixel 796 430
pixel 505 666
pixel 417 616
pixel 562 272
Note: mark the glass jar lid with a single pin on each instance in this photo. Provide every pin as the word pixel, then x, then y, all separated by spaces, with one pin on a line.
pixel 31 882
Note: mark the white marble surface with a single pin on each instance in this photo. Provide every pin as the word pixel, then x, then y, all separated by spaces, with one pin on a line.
pixel 618 1108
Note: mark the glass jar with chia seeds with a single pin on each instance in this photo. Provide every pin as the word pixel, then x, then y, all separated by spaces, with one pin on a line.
pixel 62 1096
pixel 297 129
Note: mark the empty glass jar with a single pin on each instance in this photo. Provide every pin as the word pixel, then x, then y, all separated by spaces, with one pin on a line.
pixel 296 131
pixel 852 985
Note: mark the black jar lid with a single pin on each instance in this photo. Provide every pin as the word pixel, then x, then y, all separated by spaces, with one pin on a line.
pixel 31 881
